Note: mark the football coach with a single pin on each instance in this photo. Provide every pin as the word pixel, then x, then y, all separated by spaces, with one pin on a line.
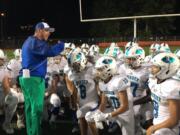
pixel 35 51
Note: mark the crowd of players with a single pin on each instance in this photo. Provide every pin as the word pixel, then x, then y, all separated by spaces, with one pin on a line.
pixel 123 91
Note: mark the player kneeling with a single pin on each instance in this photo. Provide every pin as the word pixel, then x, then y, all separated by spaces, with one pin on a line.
pixel 81 81
pixel 13 97
pixel 165 94
pixel 52 100
pixel 116 89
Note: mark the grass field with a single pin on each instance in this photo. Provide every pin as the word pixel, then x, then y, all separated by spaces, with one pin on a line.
pixel 9 52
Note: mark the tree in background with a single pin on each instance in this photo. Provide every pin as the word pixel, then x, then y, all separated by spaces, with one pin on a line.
pixel 146 27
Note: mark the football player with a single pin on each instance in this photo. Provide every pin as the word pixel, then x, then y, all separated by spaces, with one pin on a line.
pixel 115 89
pixel 81 79
pixel 138 76
pixel 13 97
pixel 165 94
pixel 153 50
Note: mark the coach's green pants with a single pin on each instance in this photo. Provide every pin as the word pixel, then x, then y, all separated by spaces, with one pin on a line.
pixel 33 89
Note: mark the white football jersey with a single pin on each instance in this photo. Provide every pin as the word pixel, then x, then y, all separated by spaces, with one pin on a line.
pixel 54 68
pixel 62 65
pixel 113 87
pixel 121 69
pixel 84 82
pixel 9 73
pixel 4 72
pixel 51 69
pixel 13 67
pixel 62 89
pixel 160 93
pixel 48 76
pixel 67 69
pixel 139 79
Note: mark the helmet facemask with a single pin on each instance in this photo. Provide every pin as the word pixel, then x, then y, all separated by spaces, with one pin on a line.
pixel 136 55
pixel 102 73
pixel 168 64
pixel 105 68
pixel 132 62
pixel 77 60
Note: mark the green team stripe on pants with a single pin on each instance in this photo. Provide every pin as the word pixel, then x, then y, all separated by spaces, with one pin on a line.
pixel 33 89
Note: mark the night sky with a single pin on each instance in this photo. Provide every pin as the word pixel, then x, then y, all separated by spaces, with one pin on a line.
pixel 61 14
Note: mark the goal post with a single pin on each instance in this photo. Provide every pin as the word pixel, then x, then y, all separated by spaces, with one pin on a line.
pixel 134 18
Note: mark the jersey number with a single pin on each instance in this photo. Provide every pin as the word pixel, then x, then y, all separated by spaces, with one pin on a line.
pixel 115 102
pixel 156 108
pixel 134 87
pixel 82 91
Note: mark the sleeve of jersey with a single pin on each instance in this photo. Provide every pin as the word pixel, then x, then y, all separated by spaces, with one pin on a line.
pixel 71 76
pixel 102 87
pixel 122 84
pixel 172 93
pixel 145 81
pixel 41 48
pixel 152 82
pixel 66 69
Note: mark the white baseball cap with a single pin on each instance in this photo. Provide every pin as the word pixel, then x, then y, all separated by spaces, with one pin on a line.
pixel 44 25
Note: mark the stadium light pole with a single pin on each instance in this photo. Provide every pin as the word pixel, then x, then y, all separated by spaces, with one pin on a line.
pixel 2 15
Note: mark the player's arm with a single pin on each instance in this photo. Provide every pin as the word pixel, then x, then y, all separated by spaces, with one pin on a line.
pixel 144 99
pixel 74 99
pixel 103 101
pixel 53 86
pixel 97 89
pixel 123 99
pixel 69 84
pixel 173 118
pixel 72 89
pixel 6 83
